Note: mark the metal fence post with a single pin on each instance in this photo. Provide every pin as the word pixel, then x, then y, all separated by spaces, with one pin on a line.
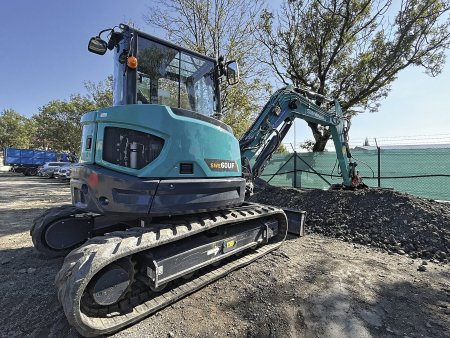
pixel 379 167
pixel 295 169
pixel 379 164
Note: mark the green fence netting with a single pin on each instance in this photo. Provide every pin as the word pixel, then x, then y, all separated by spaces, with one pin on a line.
pixel 420 172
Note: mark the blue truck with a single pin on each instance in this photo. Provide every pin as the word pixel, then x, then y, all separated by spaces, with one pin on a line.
pixel 27 161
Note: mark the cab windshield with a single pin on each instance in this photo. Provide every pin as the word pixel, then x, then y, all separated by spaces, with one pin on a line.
pixel 175 78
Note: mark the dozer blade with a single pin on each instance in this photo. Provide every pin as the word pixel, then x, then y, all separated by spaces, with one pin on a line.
pixel 82 266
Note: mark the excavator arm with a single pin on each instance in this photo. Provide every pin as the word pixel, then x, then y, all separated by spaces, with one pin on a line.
pixel 271 126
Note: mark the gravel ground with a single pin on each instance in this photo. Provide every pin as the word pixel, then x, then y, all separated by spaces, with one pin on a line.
pixel 314 286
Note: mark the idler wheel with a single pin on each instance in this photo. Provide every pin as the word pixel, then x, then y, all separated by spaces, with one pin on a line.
pixel 66 233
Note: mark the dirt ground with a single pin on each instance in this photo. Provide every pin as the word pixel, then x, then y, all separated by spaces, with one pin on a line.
pixel 313 286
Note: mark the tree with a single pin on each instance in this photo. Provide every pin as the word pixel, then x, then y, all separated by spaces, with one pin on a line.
pixel 219 27
pixel 241 103
pixel 100 93
pixel 15 130
pixel 308 145
pixel 281 149
pixel 351 50
pixel 58 122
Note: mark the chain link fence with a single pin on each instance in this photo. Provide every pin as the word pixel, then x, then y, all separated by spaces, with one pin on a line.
pixel 421 172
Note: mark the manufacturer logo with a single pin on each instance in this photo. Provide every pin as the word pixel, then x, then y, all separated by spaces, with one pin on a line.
pixel 221 165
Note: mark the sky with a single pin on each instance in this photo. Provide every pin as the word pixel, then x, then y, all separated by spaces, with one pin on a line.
pixel 44 57
pixel 415 112
pixel 44 52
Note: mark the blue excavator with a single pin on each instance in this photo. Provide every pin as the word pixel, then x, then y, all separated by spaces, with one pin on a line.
pixel 158 196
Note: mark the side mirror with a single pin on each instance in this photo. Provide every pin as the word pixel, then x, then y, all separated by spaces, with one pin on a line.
pixel 97 46
pixel 232 74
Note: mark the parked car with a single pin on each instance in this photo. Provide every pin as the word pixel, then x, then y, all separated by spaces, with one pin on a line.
pixel 63 172
pixel 48 169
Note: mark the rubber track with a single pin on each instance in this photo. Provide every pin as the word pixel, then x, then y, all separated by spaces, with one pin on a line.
pixel 83 263
pixel 40 223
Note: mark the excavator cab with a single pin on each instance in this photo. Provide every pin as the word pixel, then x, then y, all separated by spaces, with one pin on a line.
pixel 148 70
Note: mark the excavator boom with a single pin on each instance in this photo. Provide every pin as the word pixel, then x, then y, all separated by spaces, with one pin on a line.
pixel 271 126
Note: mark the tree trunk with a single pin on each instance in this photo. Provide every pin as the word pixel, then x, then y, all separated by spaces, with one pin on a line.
pixel 321 137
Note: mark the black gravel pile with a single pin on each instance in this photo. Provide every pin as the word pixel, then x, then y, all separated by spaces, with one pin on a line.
pixel 392 221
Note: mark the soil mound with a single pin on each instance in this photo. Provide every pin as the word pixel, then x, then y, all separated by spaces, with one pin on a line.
pixel 392 221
